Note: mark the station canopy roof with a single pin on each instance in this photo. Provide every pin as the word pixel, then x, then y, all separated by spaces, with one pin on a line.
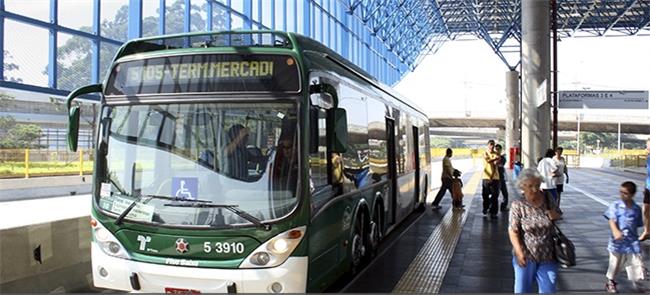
pixel 415 28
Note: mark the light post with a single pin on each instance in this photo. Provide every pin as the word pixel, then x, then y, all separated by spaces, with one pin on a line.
pixel 578 148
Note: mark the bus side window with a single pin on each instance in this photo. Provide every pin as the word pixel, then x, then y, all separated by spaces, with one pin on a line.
pixel 318 154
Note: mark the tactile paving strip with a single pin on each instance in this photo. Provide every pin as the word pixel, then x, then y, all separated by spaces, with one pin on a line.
pixel 427 270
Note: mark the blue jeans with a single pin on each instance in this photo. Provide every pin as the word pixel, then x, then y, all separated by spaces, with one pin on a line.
pixel 544 273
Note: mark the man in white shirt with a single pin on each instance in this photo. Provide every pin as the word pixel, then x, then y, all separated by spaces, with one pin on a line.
pixel 548 170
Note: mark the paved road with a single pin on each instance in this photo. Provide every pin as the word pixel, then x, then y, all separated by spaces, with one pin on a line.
pixel 43 187
pixel 482 259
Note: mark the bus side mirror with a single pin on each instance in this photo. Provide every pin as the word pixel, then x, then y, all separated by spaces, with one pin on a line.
pixel 340 134
pixel 75 111
pixel 73 128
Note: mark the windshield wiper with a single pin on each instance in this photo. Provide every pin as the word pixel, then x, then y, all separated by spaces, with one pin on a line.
pixel 116 185
pixel 149 198
pixel 233 208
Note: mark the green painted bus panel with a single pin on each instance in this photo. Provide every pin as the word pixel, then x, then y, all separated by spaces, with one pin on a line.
pixel 188 245
pixel 163 240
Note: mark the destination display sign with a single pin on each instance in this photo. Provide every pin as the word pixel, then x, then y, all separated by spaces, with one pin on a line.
pixel 603 99
pixel 205 73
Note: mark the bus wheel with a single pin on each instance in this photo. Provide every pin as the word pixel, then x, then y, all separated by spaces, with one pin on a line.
pixel 376 233
pixel 357 249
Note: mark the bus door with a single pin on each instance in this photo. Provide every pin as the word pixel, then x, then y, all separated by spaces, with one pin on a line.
pixel 416 154
pixel 392 171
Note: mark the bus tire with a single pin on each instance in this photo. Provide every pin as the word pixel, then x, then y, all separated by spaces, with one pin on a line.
pixel 357 245
pixel 376 232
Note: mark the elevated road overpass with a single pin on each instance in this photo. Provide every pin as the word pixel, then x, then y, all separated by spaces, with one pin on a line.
pixel 639 127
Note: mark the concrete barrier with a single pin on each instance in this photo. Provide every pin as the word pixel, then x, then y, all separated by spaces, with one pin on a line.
pixel 49 256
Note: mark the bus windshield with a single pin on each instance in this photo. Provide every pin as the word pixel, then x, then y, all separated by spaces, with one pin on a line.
pixel 234 154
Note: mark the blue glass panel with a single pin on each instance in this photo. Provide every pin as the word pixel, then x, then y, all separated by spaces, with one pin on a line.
pixel 74 55
pixel 279 15
pixel 318 23
pixel 76 14
pixel 237 5
pixel 256 11
pixel 219 18
pixel 326 30
pixel 106 53
pixel 174 16
pixel 267 11
pixel 199 16
pixel 237 22
pixel 300 6
pixel 26 51
pixel 114 19
pixel 291 21
pixel 150 18
pixel 38 9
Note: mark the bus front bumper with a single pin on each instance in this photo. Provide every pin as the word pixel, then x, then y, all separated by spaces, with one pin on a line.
pixel 118 274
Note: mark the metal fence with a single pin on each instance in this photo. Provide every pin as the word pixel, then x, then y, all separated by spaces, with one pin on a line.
pixel 15 163
pixel 629 161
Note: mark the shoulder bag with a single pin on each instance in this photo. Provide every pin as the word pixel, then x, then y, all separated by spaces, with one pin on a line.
pixel 565 251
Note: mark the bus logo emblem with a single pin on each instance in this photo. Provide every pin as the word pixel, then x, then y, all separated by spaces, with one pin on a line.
pixel 182 246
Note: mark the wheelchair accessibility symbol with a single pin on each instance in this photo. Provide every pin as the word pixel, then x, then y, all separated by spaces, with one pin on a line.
pixel 186 188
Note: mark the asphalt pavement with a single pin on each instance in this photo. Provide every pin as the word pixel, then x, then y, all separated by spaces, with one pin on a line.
pixel 14 189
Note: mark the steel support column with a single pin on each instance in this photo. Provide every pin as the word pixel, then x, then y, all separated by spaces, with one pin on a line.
pixel 535 129
pixel 53 46
pixel 94 68
pixel 187 18
pixel 555 71
pixel 248 13
pixel 135 19
pixel 306 21
pixel 2 41
pixel 161 16
pixel 512 110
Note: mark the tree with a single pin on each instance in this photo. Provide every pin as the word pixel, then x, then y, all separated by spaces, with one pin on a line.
pixel 601 140
pixel 75 56
pixel 8 67
pixel 441 142
pixel 16 135
pixel 60 105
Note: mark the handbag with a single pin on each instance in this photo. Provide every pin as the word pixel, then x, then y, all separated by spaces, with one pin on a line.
pixel 565 251
pixel 563 248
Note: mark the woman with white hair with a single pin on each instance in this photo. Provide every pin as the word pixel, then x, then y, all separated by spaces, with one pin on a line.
pixel 530 231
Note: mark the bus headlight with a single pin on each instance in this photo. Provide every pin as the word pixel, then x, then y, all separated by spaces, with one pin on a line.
pixel 108 243
pixel 279 246
pixel 276 250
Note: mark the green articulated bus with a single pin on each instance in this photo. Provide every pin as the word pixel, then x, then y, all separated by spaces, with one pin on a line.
pixel 246 161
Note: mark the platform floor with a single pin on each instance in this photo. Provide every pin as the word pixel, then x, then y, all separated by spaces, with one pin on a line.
pixel 480 261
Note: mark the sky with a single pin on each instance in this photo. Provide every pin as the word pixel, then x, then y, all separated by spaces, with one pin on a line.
pixel 466 77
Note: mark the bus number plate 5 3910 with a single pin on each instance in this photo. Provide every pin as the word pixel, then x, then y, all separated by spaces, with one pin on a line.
pixel 226 248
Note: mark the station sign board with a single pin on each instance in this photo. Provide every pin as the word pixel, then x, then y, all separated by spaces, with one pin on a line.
pixel 588 99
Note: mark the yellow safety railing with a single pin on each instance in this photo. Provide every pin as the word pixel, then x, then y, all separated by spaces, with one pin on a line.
pixel 26 163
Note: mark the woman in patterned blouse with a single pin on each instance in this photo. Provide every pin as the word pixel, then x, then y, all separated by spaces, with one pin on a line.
pixel 530 234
